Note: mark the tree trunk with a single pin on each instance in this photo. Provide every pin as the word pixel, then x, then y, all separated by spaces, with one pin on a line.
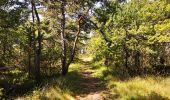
pixel 34 38
pixel 39 47
pixel 38 58
pixel 137 61
pixel 63 40
pixel 126 57
pixel 126 51
pixel 37 51
pixel 29 52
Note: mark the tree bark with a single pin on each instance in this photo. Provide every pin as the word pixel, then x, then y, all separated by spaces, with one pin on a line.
pixel 126 50
pixel 37 51
pixel 137 60
pixel 34 37
pixel 63 40
pixel 29 52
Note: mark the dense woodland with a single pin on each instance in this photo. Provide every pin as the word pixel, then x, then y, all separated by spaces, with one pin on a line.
pixel 63 49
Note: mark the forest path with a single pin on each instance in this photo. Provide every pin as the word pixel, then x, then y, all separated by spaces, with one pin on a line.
pixel 91 87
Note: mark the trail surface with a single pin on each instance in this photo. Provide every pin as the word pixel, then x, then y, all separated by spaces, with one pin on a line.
pixel 92 89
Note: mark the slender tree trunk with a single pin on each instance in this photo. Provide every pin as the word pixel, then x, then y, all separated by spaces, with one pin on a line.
pixel 37 51
pixel 39 47
pixel 29 52
pixel 126 57
pixel 34 37
pixel 137 60
pixel 63 40
pixel 126 51
pixel 38 58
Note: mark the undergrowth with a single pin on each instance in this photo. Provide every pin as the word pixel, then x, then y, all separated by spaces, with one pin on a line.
pixel 119 84
pixel 124 87
pixel 60 87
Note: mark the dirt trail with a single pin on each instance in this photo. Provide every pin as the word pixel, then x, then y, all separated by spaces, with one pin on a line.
pixel 91 86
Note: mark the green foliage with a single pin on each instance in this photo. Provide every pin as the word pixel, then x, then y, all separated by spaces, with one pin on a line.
pixel 135 26
pixel 12 38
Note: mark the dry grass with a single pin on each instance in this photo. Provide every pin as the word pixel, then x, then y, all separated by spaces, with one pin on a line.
pixel 49 93
pixel 145 88
pixel 60 88
pixel 126 88
pixel 133 88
